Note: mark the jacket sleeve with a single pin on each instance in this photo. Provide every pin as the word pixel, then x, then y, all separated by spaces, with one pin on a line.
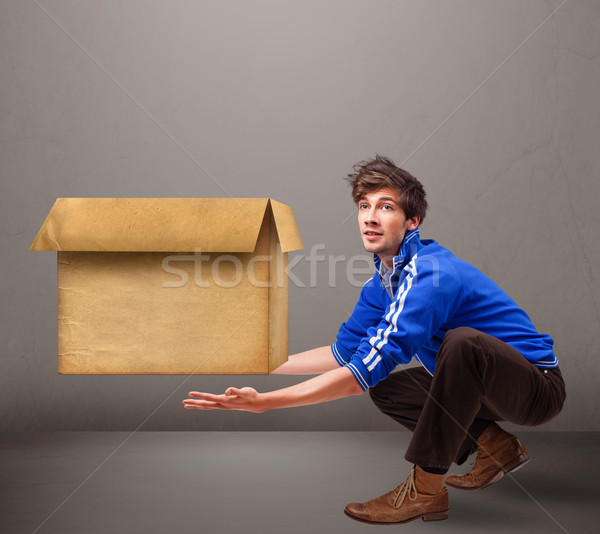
pixel 367 312
pixel 423 303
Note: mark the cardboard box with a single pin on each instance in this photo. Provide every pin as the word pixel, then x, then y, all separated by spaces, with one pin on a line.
pixel 171 285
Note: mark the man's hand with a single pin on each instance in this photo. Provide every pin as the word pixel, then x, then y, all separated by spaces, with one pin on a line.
pixel 246 399
pixel 326 387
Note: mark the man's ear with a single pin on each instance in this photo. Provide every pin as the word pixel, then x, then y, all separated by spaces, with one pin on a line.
pixel 413 222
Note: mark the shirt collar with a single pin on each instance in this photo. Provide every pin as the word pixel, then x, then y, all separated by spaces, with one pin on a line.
pixel 409 247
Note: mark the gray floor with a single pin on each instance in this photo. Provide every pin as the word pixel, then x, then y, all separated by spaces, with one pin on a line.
pixel 263 482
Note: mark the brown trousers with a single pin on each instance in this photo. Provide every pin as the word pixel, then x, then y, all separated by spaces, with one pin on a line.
pixel 478 379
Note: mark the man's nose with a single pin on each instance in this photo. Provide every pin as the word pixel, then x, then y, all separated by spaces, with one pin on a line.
pixel 371 217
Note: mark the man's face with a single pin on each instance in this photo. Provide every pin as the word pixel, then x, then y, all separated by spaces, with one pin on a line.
pixel 383 224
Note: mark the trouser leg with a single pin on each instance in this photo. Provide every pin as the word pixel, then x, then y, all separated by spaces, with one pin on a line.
pixel 475 371
pixel 402 397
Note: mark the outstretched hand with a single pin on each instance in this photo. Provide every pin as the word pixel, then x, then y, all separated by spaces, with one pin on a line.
pixel 246 399
pixel 328 386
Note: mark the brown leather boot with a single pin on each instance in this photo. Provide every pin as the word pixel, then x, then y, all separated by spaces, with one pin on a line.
pixel 498 452
pixel 420 495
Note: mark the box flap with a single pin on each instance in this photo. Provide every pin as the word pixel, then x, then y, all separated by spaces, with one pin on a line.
pixel 287 229
pixel 160 224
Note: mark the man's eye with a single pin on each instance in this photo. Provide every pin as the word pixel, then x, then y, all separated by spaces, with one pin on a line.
pixel 362 206
pixel 387 207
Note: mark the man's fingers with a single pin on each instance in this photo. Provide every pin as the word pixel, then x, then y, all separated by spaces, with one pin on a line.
pixel 209 401
pixel 232 399
pixel 203 405
pixel 207 396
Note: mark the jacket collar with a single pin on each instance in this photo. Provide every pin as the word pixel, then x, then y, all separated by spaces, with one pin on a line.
pixel 410 245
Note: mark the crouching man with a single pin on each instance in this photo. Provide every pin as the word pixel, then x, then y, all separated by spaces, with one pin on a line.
pixel 482 360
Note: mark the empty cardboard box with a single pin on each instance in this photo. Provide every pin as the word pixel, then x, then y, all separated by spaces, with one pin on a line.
pixel 171 285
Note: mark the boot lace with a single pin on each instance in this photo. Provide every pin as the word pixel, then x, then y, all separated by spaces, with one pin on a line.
pixel 407 488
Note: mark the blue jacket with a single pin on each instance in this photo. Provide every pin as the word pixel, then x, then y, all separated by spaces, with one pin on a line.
pixel 434 291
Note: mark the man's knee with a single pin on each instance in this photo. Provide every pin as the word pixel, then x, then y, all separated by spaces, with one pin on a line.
pixel 401 387
pixel 388 390
pixel 461 335
pixel 377 394
pixel 459 343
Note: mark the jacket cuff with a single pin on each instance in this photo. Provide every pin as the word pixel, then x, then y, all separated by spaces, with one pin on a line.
pixel 360 373
pixel 342 357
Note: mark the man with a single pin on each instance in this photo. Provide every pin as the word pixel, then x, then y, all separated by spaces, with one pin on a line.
pixel 482 360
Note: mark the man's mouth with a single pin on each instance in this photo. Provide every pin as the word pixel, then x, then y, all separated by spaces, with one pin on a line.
pixel 370 235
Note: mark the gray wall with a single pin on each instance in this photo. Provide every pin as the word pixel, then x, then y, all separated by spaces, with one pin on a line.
pixel 279 99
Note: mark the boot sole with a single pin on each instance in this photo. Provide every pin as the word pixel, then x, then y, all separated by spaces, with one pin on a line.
pixel 510 467
pixel 432 516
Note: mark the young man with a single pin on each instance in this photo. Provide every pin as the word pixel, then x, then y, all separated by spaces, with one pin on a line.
pixel 482 360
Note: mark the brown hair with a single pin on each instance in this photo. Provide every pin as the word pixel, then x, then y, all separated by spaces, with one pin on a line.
pixel 382 172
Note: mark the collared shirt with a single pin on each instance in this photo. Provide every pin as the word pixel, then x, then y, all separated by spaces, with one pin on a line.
pixel 385 277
